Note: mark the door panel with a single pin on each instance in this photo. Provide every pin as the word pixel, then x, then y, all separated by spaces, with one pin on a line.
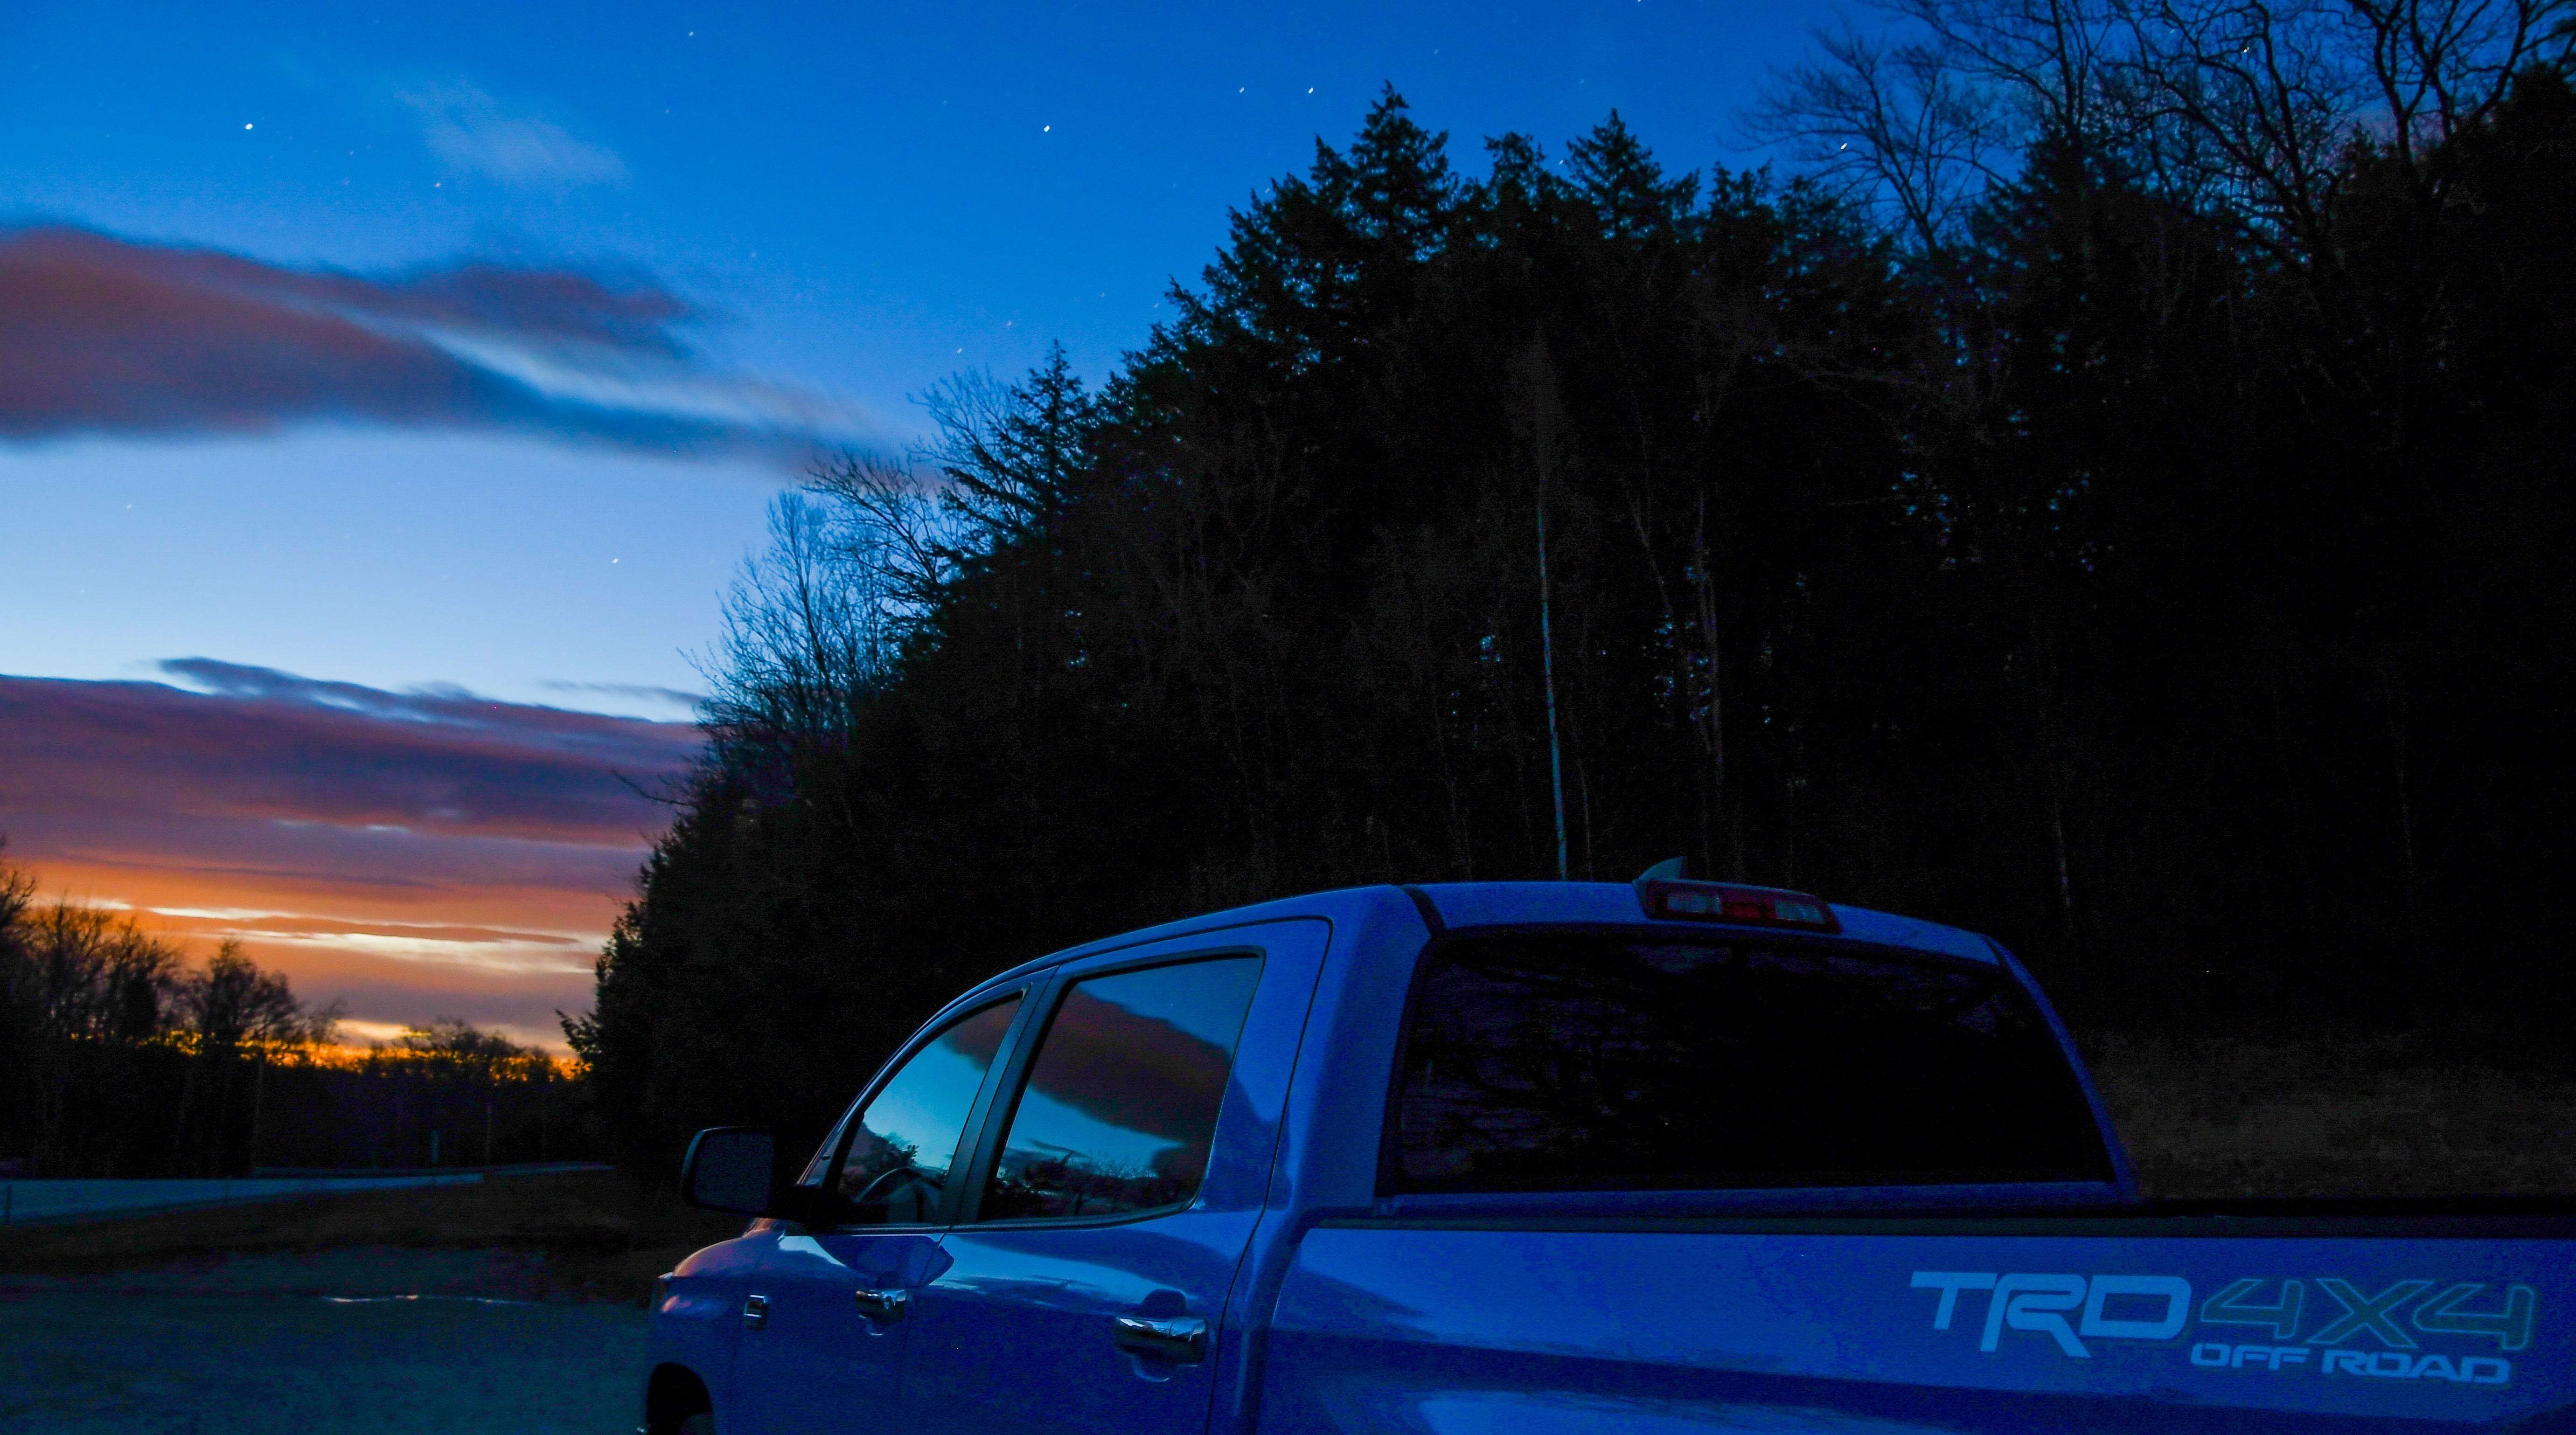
pixel 1021 1331
pixel 816 1361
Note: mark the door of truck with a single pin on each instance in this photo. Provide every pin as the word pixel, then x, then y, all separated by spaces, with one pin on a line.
pixel 1118 1179
pixel 826 1311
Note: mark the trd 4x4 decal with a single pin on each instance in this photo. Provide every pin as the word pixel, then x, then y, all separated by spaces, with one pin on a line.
pixel 2039 1302
pixel 2072 1309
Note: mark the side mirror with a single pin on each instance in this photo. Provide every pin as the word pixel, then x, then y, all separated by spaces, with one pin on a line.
pixel 731 1169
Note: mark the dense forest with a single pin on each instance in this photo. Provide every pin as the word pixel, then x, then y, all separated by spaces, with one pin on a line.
pixel 120 1057
pixel 2107 487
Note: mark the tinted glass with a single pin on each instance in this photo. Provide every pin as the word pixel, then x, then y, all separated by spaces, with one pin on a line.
pixel 1586 1063
pixel 898 1157
pixel 1121 1103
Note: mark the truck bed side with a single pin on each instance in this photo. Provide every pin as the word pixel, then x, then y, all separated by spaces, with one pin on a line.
pixel 2050 1323
pixel 1965 1309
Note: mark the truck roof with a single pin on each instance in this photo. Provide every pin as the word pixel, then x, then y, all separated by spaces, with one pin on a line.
pixel 1494 904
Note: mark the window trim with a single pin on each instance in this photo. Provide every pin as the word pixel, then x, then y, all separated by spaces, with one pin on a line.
pixel 1012 1037
pixel 995 1118
pixel 1391 1183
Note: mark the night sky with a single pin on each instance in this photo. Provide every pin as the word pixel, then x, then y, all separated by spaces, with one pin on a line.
pixel 387 393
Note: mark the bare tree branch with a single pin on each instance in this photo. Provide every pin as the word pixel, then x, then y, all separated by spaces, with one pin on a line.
pixel 1897 127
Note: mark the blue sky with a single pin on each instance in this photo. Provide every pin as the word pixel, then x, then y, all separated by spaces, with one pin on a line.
pixel 860 199
pixel 636 258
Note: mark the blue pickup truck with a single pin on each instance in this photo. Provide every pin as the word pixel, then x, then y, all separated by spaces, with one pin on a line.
pixel 1554 1157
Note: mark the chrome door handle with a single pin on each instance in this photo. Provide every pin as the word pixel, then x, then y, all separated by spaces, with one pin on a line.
pixel 755 1312
pixel 884 1305
pixel 1175 1338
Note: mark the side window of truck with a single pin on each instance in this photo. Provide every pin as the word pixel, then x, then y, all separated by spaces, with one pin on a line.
pixel 1121 1102
pixel 896 1165
pixel 1570 1062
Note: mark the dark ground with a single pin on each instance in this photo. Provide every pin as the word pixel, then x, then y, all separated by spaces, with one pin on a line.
pixel 515 1305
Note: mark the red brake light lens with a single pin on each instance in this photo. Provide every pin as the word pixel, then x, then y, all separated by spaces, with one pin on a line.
pixel 1740 906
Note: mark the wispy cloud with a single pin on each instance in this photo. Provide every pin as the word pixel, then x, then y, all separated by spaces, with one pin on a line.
pixel 538 952
pixel 672 697
pixel 473 132
pixel 102 335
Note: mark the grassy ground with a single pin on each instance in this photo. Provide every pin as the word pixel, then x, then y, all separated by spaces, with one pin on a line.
pixel 2369 1118
pixel 588 1235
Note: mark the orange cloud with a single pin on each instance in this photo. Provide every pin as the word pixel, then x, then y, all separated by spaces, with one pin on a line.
pixel 420 854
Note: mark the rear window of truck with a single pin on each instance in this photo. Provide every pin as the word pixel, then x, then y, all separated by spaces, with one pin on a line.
pixel 1568 1061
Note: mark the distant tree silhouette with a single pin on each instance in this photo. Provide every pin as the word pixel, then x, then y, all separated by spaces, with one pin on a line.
pixel 2131 522
pixel 120 1058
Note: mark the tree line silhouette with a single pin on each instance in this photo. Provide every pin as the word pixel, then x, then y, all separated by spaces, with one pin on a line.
pixel 2113 496
pixel 118 1057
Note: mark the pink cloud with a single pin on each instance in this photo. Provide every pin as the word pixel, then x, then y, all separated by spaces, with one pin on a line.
pixel 270 747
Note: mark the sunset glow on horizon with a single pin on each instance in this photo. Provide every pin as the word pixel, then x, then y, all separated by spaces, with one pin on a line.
pixel 415 855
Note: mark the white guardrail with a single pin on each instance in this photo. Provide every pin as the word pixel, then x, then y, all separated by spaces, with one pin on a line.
pixel 28 1202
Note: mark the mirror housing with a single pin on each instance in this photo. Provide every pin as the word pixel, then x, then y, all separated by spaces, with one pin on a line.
pixel 733 1169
